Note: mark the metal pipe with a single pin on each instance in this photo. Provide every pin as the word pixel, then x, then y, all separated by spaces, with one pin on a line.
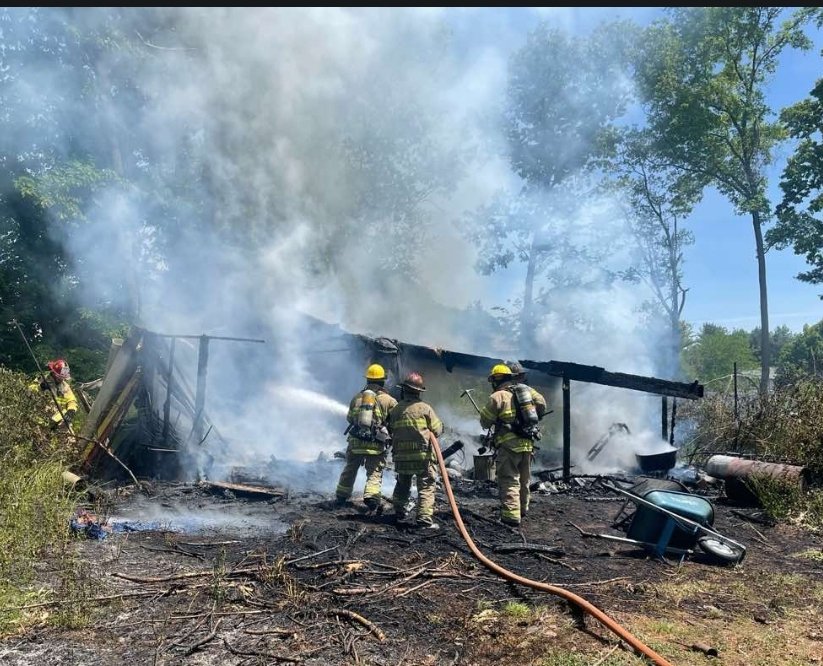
pixel 730 467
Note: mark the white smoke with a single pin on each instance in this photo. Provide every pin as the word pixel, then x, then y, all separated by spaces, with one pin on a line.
pixel 332 152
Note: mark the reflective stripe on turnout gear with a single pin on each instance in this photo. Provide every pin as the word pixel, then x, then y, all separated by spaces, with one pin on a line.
pixel 410 422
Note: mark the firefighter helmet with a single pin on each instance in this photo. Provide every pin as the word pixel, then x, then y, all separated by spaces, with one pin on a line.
pixel 414 382
pixel 375 372
pixel 499 373
pixel 59 369
pixel 517 370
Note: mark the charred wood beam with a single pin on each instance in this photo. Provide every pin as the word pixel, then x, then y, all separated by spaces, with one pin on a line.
pixel 572 371
pixel 596 375
pixel 200 396
pixel 210 337
pixel 567 430
pixel 674 420
pixel 169 390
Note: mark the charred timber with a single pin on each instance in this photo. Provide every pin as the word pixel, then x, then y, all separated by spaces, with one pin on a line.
pixel 596 375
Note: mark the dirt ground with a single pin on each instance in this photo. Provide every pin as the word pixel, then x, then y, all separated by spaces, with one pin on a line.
pixel 225 579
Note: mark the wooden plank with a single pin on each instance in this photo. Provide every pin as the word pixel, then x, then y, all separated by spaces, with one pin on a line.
pixel 255 491
pixel 122 368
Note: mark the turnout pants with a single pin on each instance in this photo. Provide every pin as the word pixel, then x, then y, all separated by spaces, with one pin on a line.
pixel 426 481
pixel 374 465
pixel 513 476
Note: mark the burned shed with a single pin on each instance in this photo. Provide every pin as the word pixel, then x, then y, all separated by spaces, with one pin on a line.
pixel 155 411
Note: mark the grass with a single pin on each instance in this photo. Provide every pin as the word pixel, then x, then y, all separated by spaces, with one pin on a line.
pixel 517 610
pixel 75 591
pixel 814 554
pixel 36 504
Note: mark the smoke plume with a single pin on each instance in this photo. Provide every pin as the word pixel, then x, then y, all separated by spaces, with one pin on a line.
pixel 323 162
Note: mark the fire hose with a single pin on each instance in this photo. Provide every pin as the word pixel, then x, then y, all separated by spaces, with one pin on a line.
pixel 578 601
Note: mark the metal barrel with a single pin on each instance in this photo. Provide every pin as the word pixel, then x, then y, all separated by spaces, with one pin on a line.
pixel 730 467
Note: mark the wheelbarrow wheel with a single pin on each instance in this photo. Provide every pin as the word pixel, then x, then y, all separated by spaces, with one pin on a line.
pixel 720 550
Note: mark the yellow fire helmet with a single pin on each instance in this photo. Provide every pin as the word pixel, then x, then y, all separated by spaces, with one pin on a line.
pixel 375 372
pixel 498 372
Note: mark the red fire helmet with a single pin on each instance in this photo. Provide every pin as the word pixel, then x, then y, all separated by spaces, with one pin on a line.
pixel 59 369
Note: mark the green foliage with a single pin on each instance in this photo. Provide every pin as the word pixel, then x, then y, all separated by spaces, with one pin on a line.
pixel 713 354
pixel 785 500
pixel 658 199
pixel 554 134
pixel 778 339
pixel 802 356
pixel 786 424
pixel 702 75
pixel 64 190
pixel 799 214
pixel 553 128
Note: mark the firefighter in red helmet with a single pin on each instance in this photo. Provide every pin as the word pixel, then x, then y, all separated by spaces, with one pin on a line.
pixel 57 383
pixel 411 423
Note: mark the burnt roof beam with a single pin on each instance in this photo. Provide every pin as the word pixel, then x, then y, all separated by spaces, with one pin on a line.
pixel 596 375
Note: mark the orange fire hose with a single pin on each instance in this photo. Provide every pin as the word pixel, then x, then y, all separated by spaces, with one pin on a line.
pixel 595 612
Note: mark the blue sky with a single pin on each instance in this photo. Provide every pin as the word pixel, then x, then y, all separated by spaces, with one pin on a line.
pixel 720 268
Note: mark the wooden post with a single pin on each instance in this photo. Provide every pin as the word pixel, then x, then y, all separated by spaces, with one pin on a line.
pixel 567 430
pixel 200 395
pixel 736 415
pixel 169 388
pixel 674 417
pixel 664 420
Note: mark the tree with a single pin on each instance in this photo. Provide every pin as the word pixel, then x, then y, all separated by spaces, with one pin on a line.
pixel 713 355
pixel 70 100
pixel 778 339
pixel 702 76
pixel 659 199
pixel 799 221
pixel 563 94
pixel 803 356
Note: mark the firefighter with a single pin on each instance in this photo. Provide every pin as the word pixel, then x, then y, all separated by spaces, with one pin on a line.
pixel 411 423
pixel 514 409
pixel 57 383
pixel 368 439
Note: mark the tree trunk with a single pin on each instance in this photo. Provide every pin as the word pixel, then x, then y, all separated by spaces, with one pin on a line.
pixel 118 165
pixel 674 300
pixel 527 338
pixel 765 351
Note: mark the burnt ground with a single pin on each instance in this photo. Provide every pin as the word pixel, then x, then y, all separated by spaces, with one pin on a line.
pixel 293 580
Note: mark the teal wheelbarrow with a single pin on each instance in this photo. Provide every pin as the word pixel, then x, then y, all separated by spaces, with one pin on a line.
pixel 668 521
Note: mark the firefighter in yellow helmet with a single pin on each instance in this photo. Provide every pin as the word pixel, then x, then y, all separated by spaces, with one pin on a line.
pixel 368 439
pixel 412 422
pixel 514 409
pixel 56 382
